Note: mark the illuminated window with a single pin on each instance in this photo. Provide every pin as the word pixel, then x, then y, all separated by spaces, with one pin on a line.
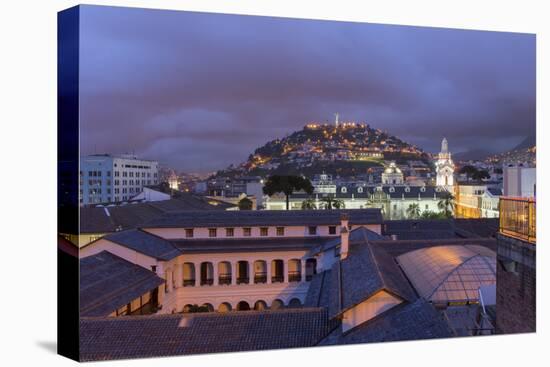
pixel 263 231
pixel 280 231
pixel 229 232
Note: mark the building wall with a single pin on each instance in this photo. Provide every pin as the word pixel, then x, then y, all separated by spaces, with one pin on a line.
pixel 120 251
pixel 178 295
pixel 516 286
pixel 105 178
pixel 519 181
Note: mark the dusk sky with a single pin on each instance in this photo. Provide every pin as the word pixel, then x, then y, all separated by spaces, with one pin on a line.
pixel 199 91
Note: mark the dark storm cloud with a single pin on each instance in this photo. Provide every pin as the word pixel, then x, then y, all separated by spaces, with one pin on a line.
pixel 201 91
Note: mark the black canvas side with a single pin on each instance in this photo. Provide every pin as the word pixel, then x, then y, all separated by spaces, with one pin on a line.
pixel 67 181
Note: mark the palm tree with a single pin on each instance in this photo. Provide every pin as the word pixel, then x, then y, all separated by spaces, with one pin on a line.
pixel 329 203
pixel 447 204
pixel 413 211
pixel 309 204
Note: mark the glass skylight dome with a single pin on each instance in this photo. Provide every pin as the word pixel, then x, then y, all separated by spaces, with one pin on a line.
pixel 449 274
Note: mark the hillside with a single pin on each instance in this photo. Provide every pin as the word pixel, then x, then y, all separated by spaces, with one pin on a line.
pixel 348 149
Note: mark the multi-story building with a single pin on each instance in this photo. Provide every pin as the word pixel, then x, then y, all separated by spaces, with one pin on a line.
pixel 516 273
pixel 519 181
pixel 106 178
pixel 477 200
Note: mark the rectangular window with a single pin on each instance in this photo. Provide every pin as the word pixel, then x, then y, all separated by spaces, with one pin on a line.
pixel 332 230
pixel 229 232
pixel 247 232
pixel 189 232
pixel 312 230
pixel 212 232
pixel 280 231
pixel 263 231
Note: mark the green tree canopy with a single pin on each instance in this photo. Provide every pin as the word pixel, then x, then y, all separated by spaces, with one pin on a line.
pixel 287 185
pixel 245 204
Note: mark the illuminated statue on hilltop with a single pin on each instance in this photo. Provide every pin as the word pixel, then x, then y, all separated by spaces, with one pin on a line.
pixel 444 167
pixel 336 116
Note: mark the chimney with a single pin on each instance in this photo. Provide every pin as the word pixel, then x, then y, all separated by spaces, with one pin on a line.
pixel 344 236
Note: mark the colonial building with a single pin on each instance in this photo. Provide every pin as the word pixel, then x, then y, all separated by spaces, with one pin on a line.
pixel 444 167
pixel 317 277
pixel 392 175
pixel 477 200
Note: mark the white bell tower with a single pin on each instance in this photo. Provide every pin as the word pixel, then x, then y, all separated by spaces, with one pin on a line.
pixel 444 166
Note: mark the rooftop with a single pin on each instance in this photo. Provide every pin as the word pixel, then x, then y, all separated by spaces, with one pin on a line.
pixel 108 282
pixel 178 334
pixel 242 218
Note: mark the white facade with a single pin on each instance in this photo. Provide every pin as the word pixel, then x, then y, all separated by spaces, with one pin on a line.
pixel 519 181
pixel 392 175
pixel 105 178
pixel 444 167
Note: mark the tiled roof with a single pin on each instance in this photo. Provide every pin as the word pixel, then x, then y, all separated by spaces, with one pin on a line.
pixel 108 282
pixel 365 271
pixel 263 217
pixel 145 243
pixel 407 321
pixel 166 335
pixel 358 235
pixel 482 227
pixel 412 229
pixel 318 291
pixel 111 218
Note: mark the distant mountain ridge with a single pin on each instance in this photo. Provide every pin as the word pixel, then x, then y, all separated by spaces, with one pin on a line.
pixel 345 149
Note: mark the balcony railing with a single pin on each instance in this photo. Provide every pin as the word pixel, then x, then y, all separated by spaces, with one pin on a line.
pixel 294 276
pixel 242 280
pixel 277 279
pixel 189 282
pixel 518 218
pixel 260 277
pixel 224 279
pixel 207 281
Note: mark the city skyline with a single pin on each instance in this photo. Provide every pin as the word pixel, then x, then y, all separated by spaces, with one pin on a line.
pixel 148 86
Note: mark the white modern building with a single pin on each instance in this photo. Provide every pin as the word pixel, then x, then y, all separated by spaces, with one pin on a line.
pixel 106 178
pixel 519 181
pixel 444 167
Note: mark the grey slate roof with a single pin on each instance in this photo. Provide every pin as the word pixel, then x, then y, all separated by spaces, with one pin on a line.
pixel 357 235
pixel 243 218
pixel 318 291
pixel 108 282
pixel 418 229
pixel 111 218
pixel 145 243
pixel 162 335
pixel 407 321
pixel 363 273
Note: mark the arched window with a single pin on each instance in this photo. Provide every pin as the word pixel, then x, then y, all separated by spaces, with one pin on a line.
pixel 311 268
pixel 188 275
pixel 187 308
pixel 277 271
pixel 360 190
pixel 392 189
pixel 294 270
pixel 224 272
pixel 344 190
pixel 260 305
pixel 277 304
pixel 243 306
pixel 407 189
pixel 260 271
pixel 207 273
pixel 243 276
pixel 208 307
pixel 423 189
pixel 294 303
pixel 224 307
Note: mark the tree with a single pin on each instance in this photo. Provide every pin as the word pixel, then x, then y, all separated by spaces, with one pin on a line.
pixel 447 204
pixel 245 204
pixel 469 171
pixel 197 308
pixel 413 211
pixel 330 202
pixel 287 185
pixel 481 175
pixel 428 214
pixel 308 204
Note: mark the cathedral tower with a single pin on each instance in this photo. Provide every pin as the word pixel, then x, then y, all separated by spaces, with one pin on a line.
pixel 444 166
